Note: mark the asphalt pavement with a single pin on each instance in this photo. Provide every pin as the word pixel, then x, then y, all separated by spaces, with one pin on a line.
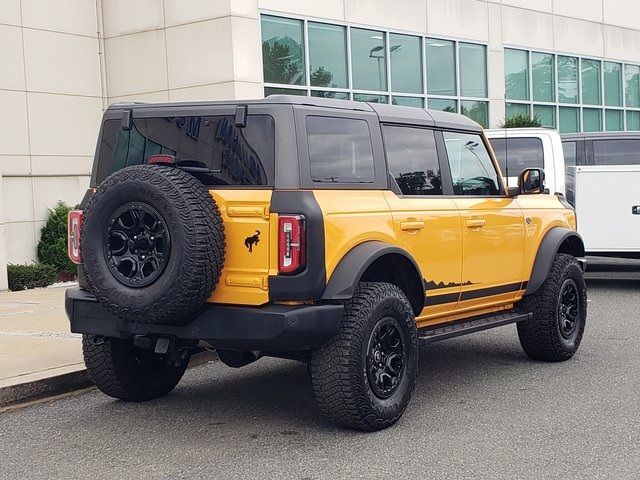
pixel 481 409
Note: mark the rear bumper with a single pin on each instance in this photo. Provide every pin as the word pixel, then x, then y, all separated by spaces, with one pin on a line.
pixel 272 328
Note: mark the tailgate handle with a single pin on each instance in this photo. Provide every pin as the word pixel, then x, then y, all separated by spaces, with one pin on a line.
pixel 476 223
pixel 412 225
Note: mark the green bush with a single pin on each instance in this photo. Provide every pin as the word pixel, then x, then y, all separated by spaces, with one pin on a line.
pixel 521 120
pixel 52 248
pixel 35 275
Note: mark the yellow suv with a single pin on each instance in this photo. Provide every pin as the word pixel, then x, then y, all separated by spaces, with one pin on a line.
pixel 338 233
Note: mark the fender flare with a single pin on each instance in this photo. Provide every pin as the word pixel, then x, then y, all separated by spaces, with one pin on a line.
pixel 349 271
pixel 549 247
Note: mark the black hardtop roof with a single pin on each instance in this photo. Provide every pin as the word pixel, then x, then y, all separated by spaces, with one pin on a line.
pixel 386 113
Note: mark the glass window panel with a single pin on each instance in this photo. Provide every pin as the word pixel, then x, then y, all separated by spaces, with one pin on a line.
pixel 406 63
pixel 477 111
pixel 472 170
pixel 283 50
pixel 365 97
pixel 368 59
pixel 283 91
pixel 616 152
pixel 612 84
pixel 567 79
pixel 443 104
pixel 613 120
pixel 325 94
pixel 516 74
pixel 591 120
pixel 408 101
pixel 339 150
pixel 473 70
pixel 520 153
pixel 546 114
pixel 513 109
pixel 543 76
pixel 413 160
pixel 633 120
pixel 328 55
pixel 570 154
pixel 591 87
pixel 632 85
pixel 569 119
pixel 441 67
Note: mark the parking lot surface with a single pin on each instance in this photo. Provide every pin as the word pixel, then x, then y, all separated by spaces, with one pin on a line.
pixel 481 409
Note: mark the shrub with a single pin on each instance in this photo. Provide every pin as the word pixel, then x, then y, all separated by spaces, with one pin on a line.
pixel 52 248
pixel 521 120
pixel 35 275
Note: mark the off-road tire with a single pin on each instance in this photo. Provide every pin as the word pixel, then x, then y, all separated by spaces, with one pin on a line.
pixel 123 371
pixel 339 369
pixel 541 337
pixel 197 250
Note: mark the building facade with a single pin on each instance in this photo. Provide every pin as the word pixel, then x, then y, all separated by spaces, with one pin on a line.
pixel 573 63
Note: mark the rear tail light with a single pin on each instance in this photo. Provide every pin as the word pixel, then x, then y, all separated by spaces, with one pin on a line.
pixel 74 229
pixel 161 159
pixel 292 253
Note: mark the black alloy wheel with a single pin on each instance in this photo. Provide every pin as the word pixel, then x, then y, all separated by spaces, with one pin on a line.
pixel 568 309
pixel 385 357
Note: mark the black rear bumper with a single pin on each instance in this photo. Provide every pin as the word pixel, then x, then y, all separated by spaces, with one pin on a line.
pixel 272 328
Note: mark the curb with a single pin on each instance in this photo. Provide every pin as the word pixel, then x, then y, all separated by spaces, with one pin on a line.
pixel 14 395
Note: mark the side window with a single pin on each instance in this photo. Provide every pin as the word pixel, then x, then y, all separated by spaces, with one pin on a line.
pixel 570 153
pixel 413 160
pixel 516 154
pixel 340 150
pixel 472 170
pixel 616 152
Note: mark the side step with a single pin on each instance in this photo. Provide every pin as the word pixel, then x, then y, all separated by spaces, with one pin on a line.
pixel 442 332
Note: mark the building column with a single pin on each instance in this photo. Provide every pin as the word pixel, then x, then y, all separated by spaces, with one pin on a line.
pixel 4 285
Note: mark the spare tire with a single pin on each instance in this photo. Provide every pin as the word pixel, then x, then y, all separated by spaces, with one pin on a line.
pixel 153 244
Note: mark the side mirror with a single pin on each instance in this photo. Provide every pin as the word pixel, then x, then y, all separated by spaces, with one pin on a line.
pixel 531 181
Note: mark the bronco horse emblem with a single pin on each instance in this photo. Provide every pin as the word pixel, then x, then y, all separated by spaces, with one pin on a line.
pixel 249 242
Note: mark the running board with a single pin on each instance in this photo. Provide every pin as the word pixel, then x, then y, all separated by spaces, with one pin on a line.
pixel 442 332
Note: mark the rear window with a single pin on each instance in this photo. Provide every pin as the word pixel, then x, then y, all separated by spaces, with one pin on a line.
pixel 616 152
pixel 228 155
pixel 516 154
pixel 340 150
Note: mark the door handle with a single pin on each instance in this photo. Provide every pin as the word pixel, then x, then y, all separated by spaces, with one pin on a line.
pixel 476 223
pixel 412 225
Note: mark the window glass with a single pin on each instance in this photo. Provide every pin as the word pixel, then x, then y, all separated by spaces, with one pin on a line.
pixel 443 104
pixel 616 152
pixel 612 84
pixel 516 74
pixel 328 55
pixel 543 76
pixel 512 109
pixel 632 85
pixel 613 120
pixel 339 150
pixel 633 120
pixel 567 79
pixel 569 120
pixel 473 70
pixel 368 59
pixel 232 155
pixel 472 171
pixel 406 63
pixel 283 91
pixel 324 94
pixel 413 160
pixel 441 67
pixel 570 154
pixel 591 87
pixel 546 114
pixel 476 111
pixel 408 101
pixel 366 97
pixel 283 50
pixel 519 153
pixel 591 120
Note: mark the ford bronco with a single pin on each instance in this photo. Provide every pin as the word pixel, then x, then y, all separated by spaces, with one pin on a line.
pixel 338 233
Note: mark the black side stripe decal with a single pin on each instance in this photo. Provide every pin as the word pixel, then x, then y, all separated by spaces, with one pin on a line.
pixel 471 294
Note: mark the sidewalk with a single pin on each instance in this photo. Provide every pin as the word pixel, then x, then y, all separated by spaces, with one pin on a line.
pixel 35 343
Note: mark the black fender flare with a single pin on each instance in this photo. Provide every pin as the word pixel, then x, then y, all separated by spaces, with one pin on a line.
pixel 547 251
pixel 349 271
